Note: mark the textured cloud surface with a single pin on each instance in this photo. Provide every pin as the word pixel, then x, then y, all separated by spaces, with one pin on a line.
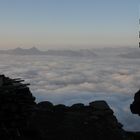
pixel 69 80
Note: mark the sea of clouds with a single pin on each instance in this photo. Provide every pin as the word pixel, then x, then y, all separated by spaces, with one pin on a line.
pixel 70 80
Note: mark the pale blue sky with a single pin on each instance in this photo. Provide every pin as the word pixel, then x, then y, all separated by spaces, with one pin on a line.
pixel 65 23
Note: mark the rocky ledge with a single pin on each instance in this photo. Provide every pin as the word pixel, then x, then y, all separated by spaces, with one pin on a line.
pixel 22 119
pixel 135 106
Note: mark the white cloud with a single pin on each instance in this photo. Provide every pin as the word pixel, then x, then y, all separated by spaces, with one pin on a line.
pixel 70 80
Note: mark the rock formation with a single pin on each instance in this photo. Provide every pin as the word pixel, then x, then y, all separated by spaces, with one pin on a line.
pixel 16 104
pixel 135 106
pixel 78 122
pixel 22 119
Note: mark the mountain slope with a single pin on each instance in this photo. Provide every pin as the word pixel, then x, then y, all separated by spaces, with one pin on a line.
pixel 35 51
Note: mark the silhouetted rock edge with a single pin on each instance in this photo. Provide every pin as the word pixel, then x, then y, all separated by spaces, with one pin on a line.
pixel 22 119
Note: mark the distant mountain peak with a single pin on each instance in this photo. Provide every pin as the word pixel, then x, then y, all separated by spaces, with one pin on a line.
pixel 35 51
pixel 34 48
pixel 18 48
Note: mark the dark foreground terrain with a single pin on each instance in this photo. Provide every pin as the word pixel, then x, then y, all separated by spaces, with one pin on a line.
pixel 22 119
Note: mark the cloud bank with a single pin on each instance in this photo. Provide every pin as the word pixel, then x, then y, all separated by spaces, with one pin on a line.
pixel 70 80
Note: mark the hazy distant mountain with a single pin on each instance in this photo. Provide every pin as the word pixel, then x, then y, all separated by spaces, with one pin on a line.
pixel 133 54
pixel 21 51
pixel 35 51
pixel 72 53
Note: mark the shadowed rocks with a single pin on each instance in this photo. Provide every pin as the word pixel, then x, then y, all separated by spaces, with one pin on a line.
pixel 22 119
pixel 78 122
pixel 135 106
pixel 16 105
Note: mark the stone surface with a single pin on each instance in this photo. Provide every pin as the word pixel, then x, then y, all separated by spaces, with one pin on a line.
pixel 16 104
pixel 46 105
pixel 135 106
pixel 79 122
pixel 99 105
pixel 22 119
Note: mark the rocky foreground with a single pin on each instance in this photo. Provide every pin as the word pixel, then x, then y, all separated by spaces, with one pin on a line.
pixel 22 119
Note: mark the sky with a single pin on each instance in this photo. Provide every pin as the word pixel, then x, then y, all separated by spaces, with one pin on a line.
pixel 68 23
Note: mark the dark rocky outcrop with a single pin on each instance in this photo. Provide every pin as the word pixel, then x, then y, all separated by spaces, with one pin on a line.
pixel 22 119
pixel 16 105
pixel 135 106
pixel 80 122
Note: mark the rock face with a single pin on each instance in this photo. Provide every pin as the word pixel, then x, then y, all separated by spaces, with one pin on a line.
pixel 135 106
pixel 16 103
pixel 22 119
pixel 78 122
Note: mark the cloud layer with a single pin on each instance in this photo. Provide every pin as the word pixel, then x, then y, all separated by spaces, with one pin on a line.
pixel 70 80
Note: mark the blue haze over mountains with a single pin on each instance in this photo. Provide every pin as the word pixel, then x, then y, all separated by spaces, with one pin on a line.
pixel 123 52
pixel 35 51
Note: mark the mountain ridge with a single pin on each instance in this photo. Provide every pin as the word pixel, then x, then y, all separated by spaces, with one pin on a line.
pixel 36 51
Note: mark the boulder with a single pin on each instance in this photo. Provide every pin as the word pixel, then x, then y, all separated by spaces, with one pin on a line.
pixel 16 103
pixel 46 105
pixel 135 106
pixel 99 105
pixel 80 122
pixel 77 106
